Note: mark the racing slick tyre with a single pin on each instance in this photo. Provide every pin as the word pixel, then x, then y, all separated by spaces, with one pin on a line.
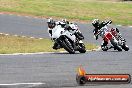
pixel 82 48
pixel 116 46
pixel 67 46
pixel 125 47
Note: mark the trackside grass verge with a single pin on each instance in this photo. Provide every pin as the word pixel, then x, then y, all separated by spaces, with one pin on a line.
pixel 82 10
pixel 13 44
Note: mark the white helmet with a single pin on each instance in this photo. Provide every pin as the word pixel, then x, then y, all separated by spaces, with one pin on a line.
pixel 63 20
pixel 51 23
pixel 49 20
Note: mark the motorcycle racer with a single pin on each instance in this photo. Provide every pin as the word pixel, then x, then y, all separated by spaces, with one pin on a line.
pixel 51 24
pixel 71 27
pixel 98 25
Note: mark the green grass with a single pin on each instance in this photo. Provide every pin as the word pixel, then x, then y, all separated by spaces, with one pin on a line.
pixel 83 10
pixel 12 44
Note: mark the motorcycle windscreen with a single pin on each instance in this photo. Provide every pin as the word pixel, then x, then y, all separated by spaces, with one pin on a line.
pixel 70 35
pixel 57 31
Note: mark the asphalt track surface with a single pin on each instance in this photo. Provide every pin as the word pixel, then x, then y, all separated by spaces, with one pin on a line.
pixel 58 70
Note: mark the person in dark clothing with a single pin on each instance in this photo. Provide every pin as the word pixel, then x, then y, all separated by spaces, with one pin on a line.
pixel 98 25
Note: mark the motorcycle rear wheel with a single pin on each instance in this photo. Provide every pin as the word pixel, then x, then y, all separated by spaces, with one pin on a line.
pixel 125 47
pixel 67 46
pixel 82 48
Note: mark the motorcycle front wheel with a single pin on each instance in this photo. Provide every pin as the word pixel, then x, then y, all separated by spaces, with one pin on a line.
pixel 125 47
pixel 116 46
pixel 82 48
pixel 67 46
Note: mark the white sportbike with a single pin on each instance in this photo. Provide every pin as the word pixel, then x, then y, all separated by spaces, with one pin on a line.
pixel 67 40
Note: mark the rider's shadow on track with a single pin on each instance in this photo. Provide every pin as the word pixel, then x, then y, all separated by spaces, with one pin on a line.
pixel 62 53
pixel 110 51
pixel 66 53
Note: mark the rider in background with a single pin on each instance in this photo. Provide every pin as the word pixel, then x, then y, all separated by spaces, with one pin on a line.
pixel 98 25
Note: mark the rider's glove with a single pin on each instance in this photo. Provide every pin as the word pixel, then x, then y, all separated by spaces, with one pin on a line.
pixel 96 37
pixel 110 21
pixel 117 30
pixel 50 32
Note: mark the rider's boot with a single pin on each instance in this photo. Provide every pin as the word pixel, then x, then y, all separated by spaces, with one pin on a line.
pixel 56 46
pixel 104 45
pixel 79 35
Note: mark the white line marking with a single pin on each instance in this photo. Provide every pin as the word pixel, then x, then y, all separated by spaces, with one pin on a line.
pixel 6 34
pixel 35 17
pixel 119 25
pixel 40 38
pixel 1 13
pixel 23 36
pixel 18 15
pixel 99 48
pixel 63 51
pixel 130 26
pixel 28 53
pixel 10 14
pixel 43 52
pixel 31 37
pixel 15 84
pixel 27 16
pixel 16 35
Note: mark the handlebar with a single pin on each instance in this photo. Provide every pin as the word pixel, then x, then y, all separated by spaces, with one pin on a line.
pixel 108 22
